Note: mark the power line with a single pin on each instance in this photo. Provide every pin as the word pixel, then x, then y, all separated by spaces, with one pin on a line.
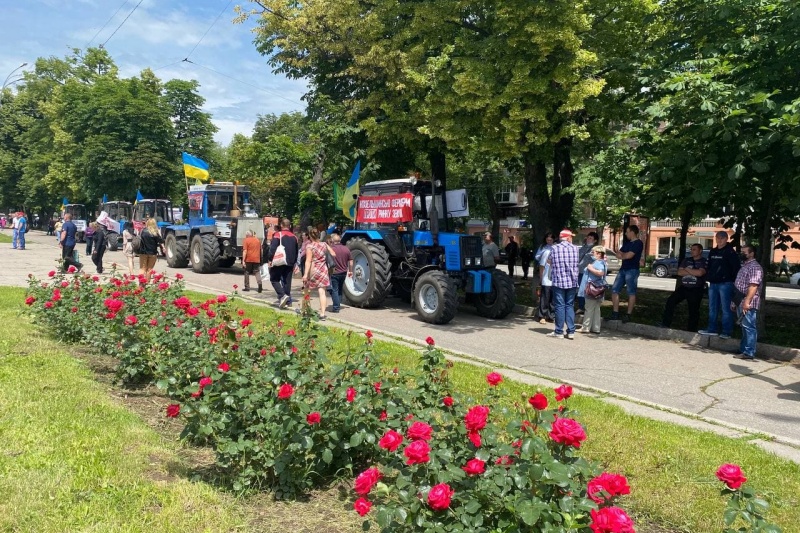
pixel 239 81
pixel 209 29
pixel 106 24
pixel 166 66
pixel 121 23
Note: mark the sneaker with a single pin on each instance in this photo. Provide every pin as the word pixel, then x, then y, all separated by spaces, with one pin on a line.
pixel 542 321
pixel 626 318
pixel 707 333
pixel 283 302
pixel 744 357
pixel 323 317
pixel 723 336
pixel 570 336
pixel 614 315
pixel 555 335
pixel 246 289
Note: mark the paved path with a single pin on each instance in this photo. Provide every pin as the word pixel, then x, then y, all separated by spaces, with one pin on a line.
pixel 758 397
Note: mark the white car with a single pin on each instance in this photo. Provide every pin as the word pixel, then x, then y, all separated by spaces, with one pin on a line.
pixel 795 279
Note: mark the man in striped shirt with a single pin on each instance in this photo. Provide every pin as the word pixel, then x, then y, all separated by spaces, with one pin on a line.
pixel 748 284
pixel 564 258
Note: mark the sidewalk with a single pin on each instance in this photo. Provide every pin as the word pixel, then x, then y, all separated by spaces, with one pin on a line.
pixel 680 383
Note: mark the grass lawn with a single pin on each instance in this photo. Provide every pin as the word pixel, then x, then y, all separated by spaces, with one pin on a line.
pixel 75 457
pixel 781 319
pixel 5 238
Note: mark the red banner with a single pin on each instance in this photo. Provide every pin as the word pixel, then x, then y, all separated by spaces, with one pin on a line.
pixel 386 209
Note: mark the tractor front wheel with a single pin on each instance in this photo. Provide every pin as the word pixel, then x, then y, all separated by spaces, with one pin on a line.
pixel 500 302
pixel 369 284
pixel 435 297
pixel 177 251
pixel 205 253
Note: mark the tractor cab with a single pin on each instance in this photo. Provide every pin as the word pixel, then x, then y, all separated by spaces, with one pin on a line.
pixel 120 212
pixel 160 210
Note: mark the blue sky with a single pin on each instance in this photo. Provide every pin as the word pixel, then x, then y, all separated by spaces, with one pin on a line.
pixel 159 34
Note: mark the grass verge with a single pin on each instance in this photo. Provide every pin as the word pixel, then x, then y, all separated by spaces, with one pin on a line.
pixel 5 238
pixel 781 319
pixel 74 459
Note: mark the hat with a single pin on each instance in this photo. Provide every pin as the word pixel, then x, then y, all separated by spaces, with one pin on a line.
pixel 565 234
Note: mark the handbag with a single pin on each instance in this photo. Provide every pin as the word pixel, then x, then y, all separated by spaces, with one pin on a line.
pixel 596 289
pixel 329 259
pixel 279 258
pixel 264 271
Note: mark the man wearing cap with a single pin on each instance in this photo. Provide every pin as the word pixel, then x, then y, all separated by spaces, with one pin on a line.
pixel 491 253
pixel 564 258
pixel 628 276
pixel 723 265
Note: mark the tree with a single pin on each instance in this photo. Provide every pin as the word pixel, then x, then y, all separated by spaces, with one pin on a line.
pixel 194 131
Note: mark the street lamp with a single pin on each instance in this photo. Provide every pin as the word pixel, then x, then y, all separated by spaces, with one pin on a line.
pixel 6 83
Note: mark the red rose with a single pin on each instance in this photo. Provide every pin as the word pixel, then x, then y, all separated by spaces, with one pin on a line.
pixel 476 417
pixel 222 298
pixel 197 393
pixel 205 382
pixel 611 520
pixel 563 392
pixel 263 352
pixel 611 484
pixel 391 440
pixel 173 410
pixel 494 379
pixel 131 320
pixel 51 273
pixel 475 438
pixel 211 313
pixel 109 315
pixel 731 475
pixel 430 342
pixel 29 300
pixel 113 305
pixel 351 394
pixel 439 496
pixel 235 287
pixel 72 269
pixel 290 332
pixel 285 392
pixel 368 334
pixel 178 276
pixel 383 416
pixel 224 367
pixel 377 386
pixel 567 432
pixel 362 506
pixel 182 303
pixel 192 311
pixel 474 467
pixel 48 305
pixel 163 286
pixel 419 431
pixel 95 278
pixel 366 480
pixel 448 401
pixel 538 401
pixel 246 322
pixel 73 309
pixel 417 452
pixel 313 418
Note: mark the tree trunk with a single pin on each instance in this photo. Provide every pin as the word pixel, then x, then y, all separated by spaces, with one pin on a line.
pixel 764 256
pixel 317 182
pixel 686 220
pixel 535 175
pixel 561 203
pixel 494 211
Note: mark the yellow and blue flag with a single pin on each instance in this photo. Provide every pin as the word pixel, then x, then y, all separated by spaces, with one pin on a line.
pixel 194 167
pixel 351 193
pixel 139 197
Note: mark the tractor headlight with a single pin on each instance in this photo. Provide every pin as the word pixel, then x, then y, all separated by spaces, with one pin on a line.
pixel 226 243
pixel 477 261
pixel 468 262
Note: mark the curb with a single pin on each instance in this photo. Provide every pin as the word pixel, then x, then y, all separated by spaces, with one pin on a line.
pixel 765 351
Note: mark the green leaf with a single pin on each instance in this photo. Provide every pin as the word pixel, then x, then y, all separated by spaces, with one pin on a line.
pixel 327 456
pixel 473 506
pixel 729 516
pixel 356 439
pixel 528 512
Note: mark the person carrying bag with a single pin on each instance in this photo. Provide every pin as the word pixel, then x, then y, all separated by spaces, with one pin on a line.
pixel 593 288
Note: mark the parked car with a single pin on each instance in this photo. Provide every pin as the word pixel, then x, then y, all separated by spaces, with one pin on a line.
pixel 668 266
pixel 795 279
pixel 613 263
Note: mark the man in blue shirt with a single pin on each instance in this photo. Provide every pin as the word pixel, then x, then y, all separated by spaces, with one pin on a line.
pixel 68 232
pixel 628 276
pixel 22 227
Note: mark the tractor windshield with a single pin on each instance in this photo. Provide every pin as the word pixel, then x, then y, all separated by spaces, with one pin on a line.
pixel 118 210
pixel 220 203
pixel 77 211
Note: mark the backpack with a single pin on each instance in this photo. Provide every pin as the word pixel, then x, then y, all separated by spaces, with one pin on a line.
pixel 279 258
pixel 136 244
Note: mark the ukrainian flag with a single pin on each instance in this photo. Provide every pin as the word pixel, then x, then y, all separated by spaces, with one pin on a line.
pixel 139 197
pixel 351 193
pixel 194 167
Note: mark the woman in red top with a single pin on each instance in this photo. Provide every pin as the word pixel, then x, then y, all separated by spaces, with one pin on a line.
pixel 316 275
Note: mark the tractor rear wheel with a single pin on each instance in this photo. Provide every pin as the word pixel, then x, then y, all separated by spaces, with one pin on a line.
pixel 227 262
pixel 500 302
pixel 113 241
pixel 369 284
pixel 435 297
pixel 177 251
pixel 205 253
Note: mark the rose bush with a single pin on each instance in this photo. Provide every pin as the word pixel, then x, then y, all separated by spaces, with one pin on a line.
pixel 282 411
pixel 744 506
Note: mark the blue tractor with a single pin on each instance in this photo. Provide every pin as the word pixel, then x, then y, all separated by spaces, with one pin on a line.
pixel 219 217
pixel 397 248
pixel 121 212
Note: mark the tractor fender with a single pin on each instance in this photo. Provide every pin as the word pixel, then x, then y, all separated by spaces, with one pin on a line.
pixel 202 230
pixel 370 235
pixel 421 271
pixel 180 231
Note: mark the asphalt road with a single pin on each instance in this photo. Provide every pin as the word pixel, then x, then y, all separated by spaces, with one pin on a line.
pixel 759 396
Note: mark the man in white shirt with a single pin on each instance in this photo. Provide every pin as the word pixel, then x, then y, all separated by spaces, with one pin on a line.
pixel 15 226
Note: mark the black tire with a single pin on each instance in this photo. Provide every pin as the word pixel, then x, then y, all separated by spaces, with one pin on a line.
pixel 661 271
pixel 205 253
pixel 368 286
pixel 500 302
pixel 227 262
pixel 113 241
pixel 435 297
pixel 177 251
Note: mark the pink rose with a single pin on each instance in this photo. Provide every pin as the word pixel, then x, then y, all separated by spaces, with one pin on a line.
pixel 419 431
pixel 475 438
pixel 476 417
pixel 611 484
pixel 391 440
pixel 173 410
pixel 313 418
pixel 417 452
pixel 563 392
pixel 351 394
pixel 366 480
pixel 439 496
pixel 567 432
pixel 474 467
pixel 494 379
pixel 224 367
pixel 362 506
pixel 731 475
pixel 205 382
pixel 611 520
